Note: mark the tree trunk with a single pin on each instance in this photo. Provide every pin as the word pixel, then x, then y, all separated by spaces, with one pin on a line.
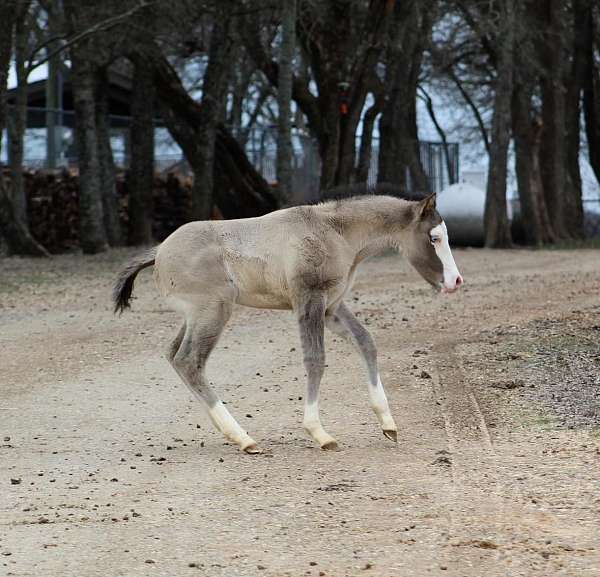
pixel 399 153
pixel 526 131
pixel 399 150
pixel 537 186
pixel 17 236
pixel 284 98
pixel 352 97
pixel 106 165
pixel 329 136
pixel 591 99
pixel 558 183
pixel 497 229
pixel 238 90
pixel 553 155
pixel 92 237
pixel 213 87
pixel 54 87
pixel 202 165
pixel 347 143
pixel 141 173
pixel 240 191
pixel 582 14
pixel 91 214
pixel 19 117
pixel 366 141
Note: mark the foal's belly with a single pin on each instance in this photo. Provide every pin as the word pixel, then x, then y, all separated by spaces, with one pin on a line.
pixel 263 301
pixel 280 300
pixel 260 286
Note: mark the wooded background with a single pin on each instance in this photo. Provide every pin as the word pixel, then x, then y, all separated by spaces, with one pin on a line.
pixel 340 71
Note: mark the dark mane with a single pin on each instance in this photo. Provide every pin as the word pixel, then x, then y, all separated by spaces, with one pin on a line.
pixel 364 189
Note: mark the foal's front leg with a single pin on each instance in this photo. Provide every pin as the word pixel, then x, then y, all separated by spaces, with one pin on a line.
pixel 343 323
pixel 311 318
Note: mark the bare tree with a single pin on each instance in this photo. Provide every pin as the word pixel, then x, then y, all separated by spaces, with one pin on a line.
pixel 341 43
pixel 16 235
pixel 591 85
pixel 527 130
pixel 197 136
pixel 141 173
pixel 106 174
pixel 560 125
pixel 366 141
pixel 284 98
pixel 19 116
pixel 497 229
pixel 92 234
pixel 424 95
pixel 493 26
pixel 549 76
pixel 399 154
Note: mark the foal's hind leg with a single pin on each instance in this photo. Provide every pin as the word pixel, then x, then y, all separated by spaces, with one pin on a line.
pixel 311 318
pixel 189 353
pixel 343 323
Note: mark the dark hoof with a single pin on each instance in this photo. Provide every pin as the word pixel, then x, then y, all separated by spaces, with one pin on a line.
pixel 391 435
pixel 330 446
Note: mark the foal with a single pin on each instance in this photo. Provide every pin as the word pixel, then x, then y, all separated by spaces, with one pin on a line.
pixel 302 258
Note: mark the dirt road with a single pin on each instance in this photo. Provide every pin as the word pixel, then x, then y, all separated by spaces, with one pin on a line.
pixel 110 468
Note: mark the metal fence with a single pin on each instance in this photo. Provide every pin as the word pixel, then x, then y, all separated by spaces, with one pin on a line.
pixel 440 163
pixel 261 148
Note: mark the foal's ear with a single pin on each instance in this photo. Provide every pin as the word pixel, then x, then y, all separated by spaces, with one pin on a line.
pixel 427 206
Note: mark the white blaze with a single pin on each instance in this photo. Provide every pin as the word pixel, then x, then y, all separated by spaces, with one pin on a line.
pixel 442 249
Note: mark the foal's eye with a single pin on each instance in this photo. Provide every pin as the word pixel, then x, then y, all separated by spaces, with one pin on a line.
pixel 434 239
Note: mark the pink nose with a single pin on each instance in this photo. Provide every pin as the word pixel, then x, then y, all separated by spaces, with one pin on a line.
pixel 458 281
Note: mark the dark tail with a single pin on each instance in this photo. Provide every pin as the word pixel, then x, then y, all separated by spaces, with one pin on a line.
pixel 124 285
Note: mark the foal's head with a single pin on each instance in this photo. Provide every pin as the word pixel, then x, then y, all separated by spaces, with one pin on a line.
pixel 427 248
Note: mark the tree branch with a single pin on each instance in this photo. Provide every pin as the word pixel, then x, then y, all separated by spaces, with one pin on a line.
pixel 98 27
pixel 441 133
pixel 487 43
pixel 300 92
pixel 473 108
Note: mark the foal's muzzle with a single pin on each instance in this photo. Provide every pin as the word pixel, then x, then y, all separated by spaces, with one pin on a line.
pixel 453 286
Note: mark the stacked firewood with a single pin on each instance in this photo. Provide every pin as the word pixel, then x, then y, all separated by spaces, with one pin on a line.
pixel 53 206
pixel 172 199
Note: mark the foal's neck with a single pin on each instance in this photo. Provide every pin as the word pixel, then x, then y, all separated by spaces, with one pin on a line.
pixel 372 224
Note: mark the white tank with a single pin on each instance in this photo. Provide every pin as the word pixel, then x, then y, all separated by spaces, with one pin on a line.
pixel 461 206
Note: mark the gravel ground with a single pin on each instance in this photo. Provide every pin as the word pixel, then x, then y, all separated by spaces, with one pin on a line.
pixel 109 467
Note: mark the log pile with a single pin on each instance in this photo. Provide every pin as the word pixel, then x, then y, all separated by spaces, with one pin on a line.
pixel 171 203
pixel 53 209
pixel 53 201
